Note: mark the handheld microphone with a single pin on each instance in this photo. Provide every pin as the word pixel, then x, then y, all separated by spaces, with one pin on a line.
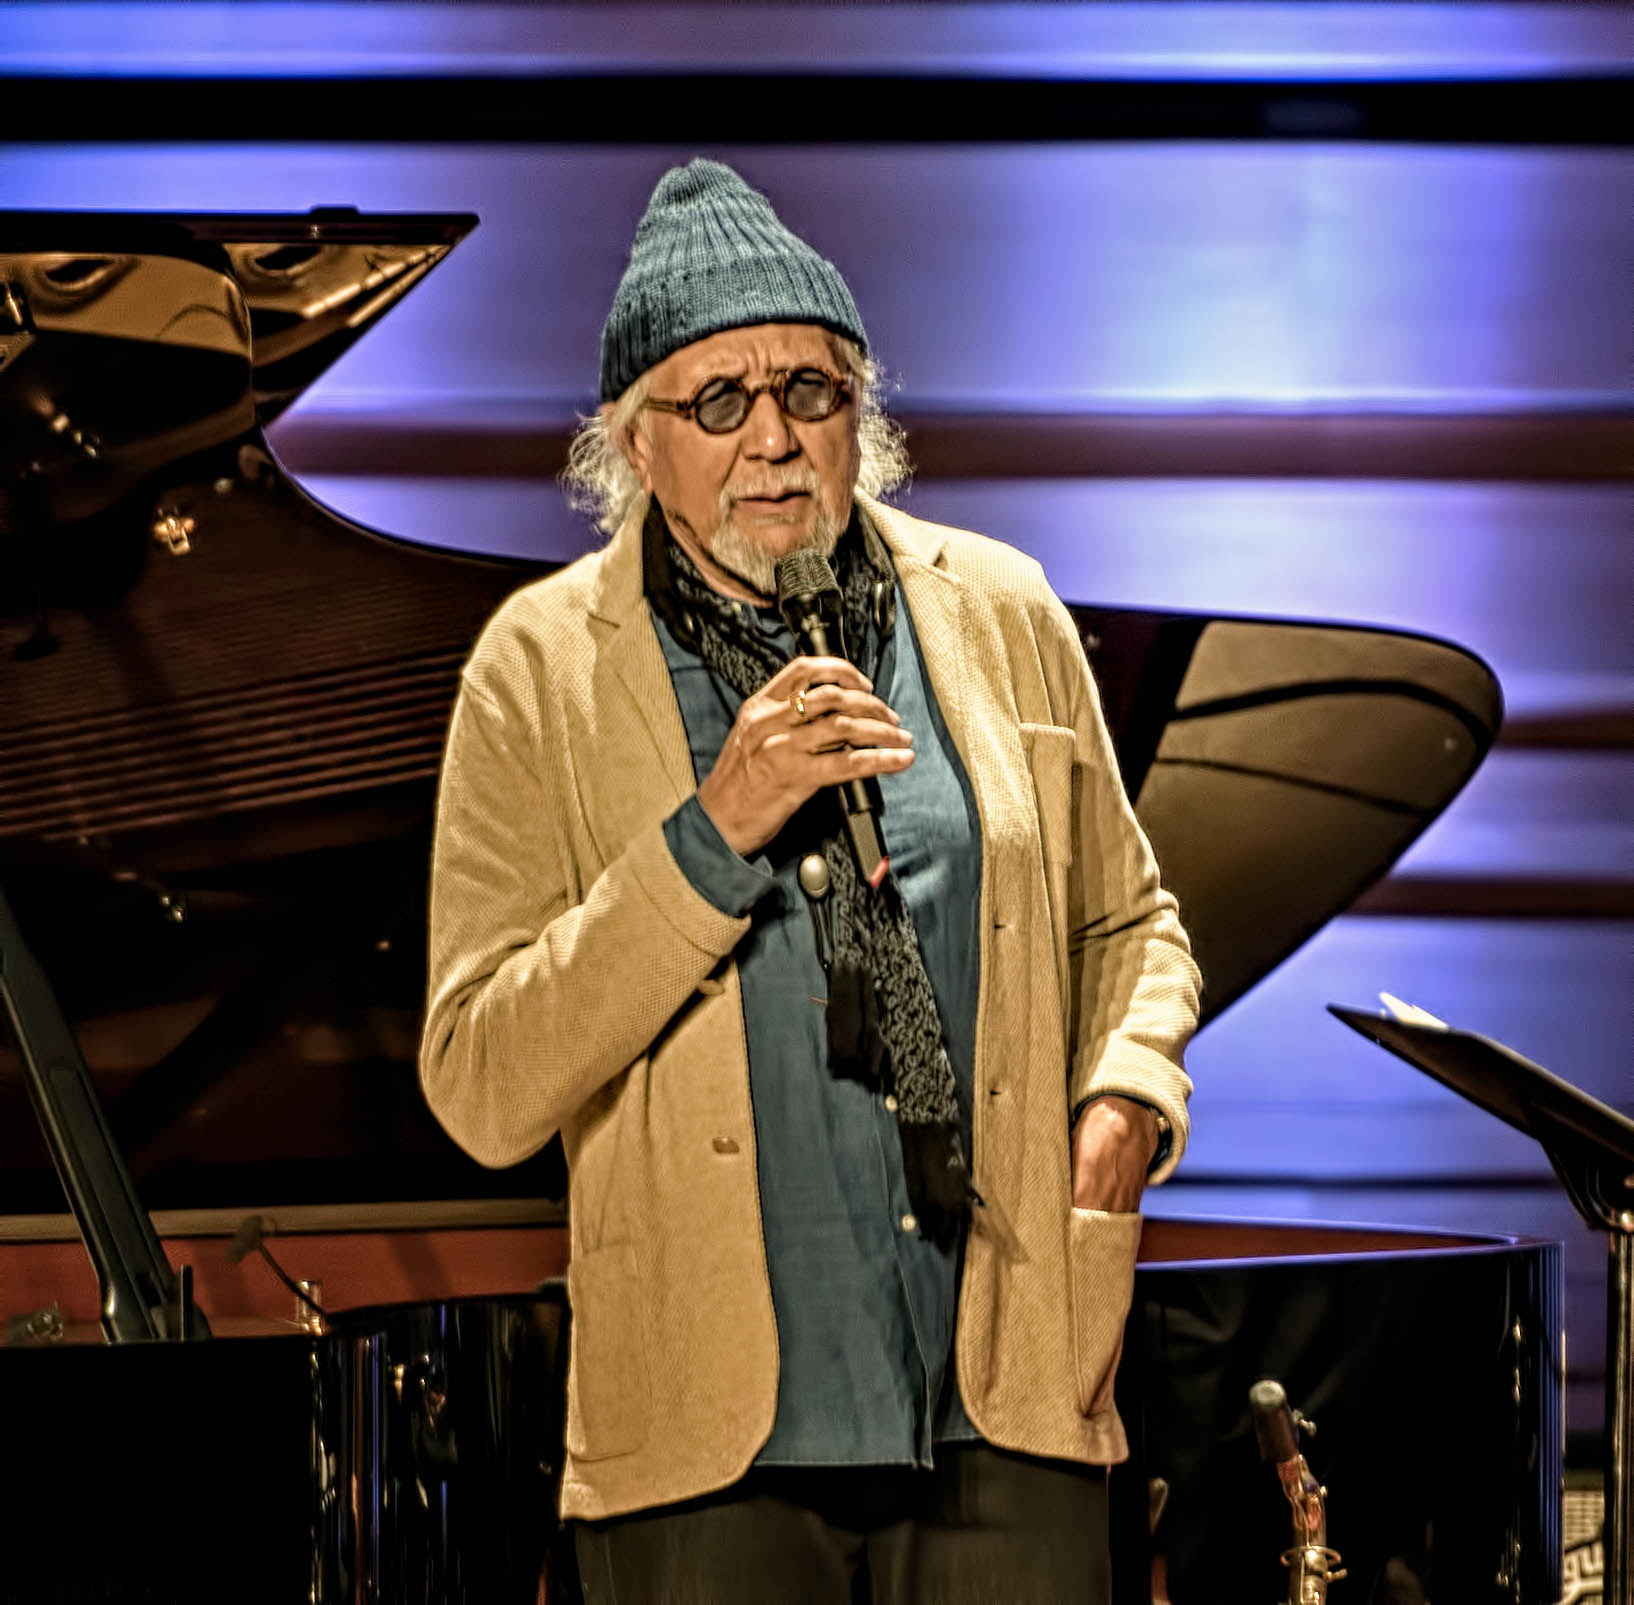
pixel 809 598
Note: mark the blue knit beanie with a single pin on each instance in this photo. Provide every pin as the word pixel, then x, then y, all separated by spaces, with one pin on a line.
pixel 710 254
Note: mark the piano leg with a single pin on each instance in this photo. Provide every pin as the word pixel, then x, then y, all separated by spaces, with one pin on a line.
pixel 1619 1527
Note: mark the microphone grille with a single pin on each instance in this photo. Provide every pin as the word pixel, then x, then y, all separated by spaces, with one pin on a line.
pixel 804 573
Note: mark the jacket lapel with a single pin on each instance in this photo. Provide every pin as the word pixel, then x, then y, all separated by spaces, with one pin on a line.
pixel 936 598
pixel 967 659
pixel 641 767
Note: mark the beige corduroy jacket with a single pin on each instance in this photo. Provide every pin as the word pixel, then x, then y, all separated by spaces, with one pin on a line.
pixel 579 984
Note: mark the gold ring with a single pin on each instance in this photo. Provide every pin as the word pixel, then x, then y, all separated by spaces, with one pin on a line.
pixel 797 701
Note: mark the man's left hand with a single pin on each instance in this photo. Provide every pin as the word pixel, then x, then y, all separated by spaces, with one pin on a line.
pixel 1112 1149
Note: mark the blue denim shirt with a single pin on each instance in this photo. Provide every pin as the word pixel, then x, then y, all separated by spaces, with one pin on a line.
pixel 865 1305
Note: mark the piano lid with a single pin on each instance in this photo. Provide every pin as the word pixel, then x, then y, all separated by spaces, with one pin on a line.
pixel 222 709
pixel 1280 768
pixel 172 302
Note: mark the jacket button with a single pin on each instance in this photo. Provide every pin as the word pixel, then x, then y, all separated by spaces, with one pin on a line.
pixel 890 1102
pixel 724 1145
pixel 909 1223
pixel 710 987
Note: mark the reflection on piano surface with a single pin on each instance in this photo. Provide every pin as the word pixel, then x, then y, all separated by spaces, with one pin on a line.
pixel 223 731
pixel 221 712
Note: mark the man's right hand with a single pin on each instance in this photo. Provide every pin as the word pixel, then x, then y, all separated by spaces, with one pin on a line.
pixel 773 760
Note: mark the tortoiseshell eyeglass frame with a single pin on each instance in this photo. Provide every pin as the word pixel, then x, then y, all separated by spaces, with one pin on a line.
pixel 778 385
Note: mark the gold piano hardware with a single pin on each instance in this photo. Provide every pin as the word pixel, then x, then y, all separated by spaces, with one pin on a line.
pixel 174 532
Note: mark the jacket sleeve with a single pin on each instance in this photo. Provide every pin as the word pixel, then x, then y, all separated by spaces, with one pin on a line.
pixel 538 996
pixel 1133 987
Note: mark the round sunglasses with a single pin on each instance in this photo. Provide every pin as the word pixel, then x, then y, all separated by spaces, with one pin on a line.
pixel 719 406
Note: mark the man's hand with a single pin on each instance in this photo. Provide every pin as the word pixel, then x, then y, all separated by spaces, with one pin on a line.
pixel 773 760
pixel 1112 1148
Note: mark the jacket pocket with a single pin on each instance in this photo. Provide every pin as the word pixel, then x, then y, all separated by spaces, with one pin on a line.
pixel 1101 1251
pixel 607 1390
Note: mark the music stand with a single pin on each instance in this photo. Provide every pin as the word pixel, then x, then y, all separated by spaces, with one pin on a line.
pixel 1591 1147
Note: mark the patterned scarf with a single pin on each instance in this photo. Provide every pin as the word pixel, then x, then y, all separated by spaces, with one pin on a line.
pixel 883 1026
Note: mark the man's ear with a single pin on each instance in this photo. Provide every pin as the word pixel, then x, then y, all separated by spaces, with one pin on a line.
pixel 634 445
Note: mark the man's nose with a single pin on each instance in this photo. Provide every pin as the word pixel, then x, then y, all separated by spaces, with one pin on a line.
pixel 768 432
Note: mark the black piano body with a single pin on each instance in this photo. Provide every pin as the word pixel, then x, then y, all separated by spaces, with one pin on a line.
pixel 221 712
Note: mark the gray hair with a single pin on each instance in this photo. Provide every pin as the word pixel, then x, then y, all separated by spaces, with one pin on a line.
pixel 599 480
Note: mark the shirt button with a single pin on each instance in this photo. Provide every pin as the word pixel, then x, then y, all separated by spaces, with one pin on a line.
pixel 890 1102
pixel 909 1223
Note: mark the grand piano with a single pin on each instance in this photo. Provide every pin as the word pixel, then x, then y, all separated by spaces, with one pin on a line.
pixel 222 707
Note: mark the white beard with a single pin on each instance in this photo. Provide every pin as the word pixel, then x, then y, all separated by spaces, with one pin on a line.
pixel 743 556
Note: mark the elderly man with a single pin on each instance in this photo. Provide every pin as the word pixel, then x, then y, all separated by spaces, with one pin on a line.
pixel 856 1148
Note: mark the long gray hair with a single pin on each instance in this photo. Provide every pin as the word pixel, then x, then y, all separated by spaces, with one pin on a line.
pixel 599 480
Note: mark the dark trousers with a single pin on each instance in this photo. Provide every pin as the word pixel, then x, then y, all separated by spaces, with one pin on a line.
pixel 983 1528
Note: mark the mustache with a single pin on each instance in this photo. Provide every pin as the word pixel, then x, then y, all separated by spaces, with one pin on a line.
pixel 799 479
